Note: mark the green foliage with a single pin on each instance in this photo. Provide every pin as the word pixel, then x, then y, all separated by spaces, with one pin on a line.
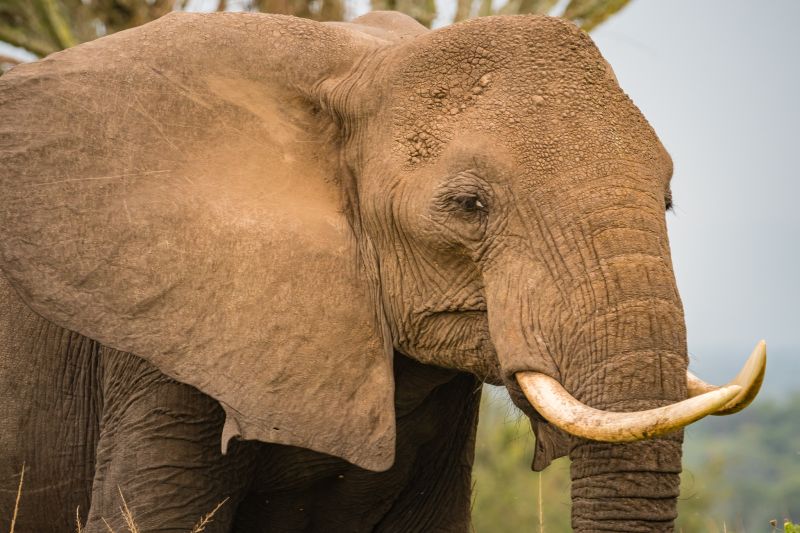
pixel 46 26
pixel 747 466
pixel 789 527
pixel 588 14
pixel 506 492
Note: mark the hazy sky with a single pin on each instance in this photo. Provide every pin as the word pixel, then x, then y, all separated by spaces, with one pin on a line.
pixel 719 80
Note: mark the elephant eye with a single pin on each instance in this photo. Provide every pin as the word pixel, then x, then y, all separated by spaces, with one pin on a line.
pixel 668 201
pixel 470 203
pixel 464 197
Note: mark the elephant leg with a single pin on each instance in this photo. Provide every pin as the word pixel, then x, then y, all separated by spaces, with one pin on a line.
pixel 49 415
pixel 159 448
pixel 436 498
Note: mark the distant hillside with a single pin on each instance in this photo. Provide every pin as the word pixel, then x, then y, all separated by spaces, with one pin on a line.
pixel 719 365
pixel 746 467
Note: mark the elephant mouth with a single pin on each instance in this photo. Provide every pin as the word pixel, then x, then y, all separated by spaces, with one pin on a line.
pixel 455 312
pixel 554 403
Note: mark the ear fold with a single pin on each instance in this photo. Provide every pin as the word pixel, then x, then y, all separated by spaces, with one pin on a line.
pixel 169 191
pixel 551 443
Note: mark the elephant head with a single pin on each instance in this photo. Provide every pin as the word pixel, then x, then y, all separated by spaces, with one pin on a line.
pixel 266 207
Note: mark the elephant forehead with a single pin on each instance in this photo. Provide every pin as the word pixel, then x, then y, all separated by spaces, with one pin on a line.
pixel 537 84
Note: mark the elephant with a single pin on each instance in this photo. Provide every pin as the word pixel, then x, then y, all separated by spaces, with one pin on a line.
pixel 270 262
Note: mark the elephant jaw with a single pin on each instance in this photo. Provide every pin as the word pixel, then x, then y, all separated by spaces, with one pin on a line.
pixel 561 409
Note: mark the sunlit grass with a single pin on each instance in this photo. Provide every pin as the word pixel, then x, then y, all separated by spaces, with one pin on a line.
pixel 19 496
pixel 207 519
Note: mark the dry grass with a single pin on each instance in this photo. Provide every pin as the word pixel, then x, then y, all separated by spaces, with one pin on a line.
pixel 130 522
pixel 19 496
pixel 205 520
pixel 125 512
pixel 208 518
pixel 108 526
pixel 541 505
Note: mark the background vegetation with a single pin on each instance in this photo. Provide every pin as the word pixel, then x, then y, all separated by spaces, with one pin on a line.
pixel 740 471
pixel 41 27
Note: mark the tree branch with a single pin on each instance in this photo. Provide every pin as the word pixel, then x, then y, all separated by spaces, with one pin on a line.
pixel 463 10
pixel 58 25
pixel 17 38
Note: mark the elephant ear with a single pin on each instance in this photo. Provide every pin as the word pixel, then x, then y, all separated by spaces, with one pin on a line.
pixel 171 191
pixel 551 444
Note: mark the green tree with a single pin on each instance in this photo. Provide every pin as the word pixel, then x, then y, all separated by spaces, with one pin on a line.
pixel 42 27
pixel 747 466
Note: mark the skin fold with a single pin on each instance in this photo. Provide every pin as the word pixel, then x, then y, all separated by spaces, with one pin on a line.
pixel 308 244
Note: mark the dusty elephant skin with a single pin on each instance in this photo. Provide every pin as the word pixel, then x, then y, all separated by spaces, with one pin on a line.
pixel 306 245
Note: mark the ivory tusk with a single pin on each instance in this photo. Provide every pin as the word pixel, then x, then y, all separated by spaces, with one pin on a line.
pixel 749 379
pixel 561 409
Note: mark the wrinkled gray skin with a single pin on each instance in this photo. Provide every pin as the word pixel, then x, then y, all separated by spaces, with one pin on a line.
pixel 502 209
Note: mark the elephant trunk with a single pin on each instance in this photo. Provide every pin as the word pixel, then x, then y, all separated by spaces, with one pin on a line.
pixel 638 362
pixel 626 487
pixel 610 329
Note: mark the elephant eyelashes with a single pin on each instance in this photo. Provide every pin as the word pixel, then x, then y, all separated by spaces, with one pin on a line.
pixel 461 207
pixel 466 196
pixel 470 203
